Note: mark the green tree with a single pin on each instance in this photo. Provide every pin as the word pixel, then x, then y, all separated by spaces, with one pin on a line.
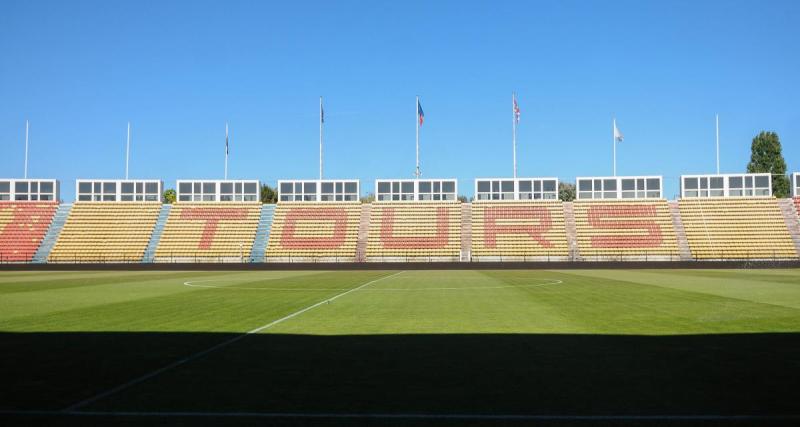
pixel 566 191
pixel 369 198
pixel 767 157
pixel 170 196
pixel 268 194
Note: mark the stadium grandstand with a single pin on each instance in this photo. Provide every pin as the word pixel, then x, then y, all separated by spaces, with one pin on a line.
pixel 618 218
pixel 212 221
pixel 518 219
pixel 624 218
pixel 315 221
pixel 27 208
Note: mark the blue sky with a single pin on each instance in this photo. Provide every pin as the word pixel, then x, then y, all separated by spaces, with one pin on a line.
pixel 179 70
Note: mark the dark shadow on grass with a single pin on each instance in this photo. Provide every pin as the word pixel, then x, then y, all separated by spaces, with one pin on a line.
pixel 742 374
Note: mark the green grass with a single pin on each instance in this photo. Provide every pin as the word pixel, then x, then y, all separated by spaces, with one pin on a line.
pixel 577 342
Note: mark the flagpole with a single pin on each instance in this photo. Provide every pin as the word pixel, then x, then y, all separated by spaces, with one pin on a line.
pixel 128 150
pixel 416 173
pixel 226 150
pixel 27 128
pixel 717 116
pixel 320 137
pixel 514 128
pixel 614 143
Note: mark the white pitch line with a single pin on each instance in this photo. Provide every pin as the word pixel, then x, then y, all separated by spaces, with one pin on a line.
pixel 194 284
pixel 417 416
pixel 117 389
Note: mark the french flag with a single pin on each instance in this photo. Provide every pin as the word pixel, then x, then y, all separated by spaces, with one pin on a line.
pixel 420 113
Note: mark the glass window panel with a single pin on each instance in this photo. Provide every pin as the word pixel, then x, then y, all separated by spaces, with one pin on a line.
pixel 717 193
pixel 209 187
pixel 151 198
pixel 748 181
pixel 226 187
pixel 507 186
pixel 21 187
pixel 408 187
pixel 126 197
pixel 298 187
pixel 628 184
pixel 285 197
pixel 690 183
pixel 484 186
pixel 151 187
pixel 383 187
pixel 286 188
pixel 5 187
pixel 716 182
pixel 126 188
pixel 609 184
pixel 139 187
pixel 109 198
pixel 327 187
pixel 45 197
pixel 84 197
pixel 185 187
pixel 109 187
pixel 350 187
pixel 762 181
pixel 653 184
pixel 425 187
pixel 395 187
pixel 640 184
pixel 310 188
pixel 585 185
pixel 549 185
pixel 704 183
pixel 525 186
pixel 628 194
pixel 225 198
pixel 196 188
pixel 610 195
pixel 84 187
pixel 691 193
pixel 448 187
pixel 653 194
pixel 437 186
pixel 209 198
pixel 238 188
pixel 35 187
pixel 585 194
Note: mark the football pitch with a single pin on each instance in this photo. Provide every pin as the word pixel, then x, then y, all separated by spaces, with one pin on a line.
pixel 465 347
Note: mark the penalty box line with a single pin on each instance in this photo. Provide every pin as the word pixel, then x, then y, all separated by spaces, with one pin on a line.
pixel 74 407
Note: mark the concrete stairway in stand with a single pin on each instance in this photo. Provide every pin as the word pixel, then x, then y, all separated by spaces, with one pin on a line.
pixel 466 232
pixel 363 233
pixel 158 229
pixel 792 220
pixel 262 233
pixel 680 232
pixel 49 240
pixel 572 231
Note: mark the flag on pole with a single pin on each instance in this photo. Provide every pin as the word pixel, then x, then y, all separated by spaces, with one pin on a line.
pixel 321 112
pixel 516 110
pixel 618 136
pixel 226 139
pixel 420 113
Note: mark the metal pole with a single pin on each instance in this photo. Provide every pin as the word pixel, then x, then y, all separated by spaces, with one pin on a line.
pixel 27 127
pixel 416 173
pixel 226 150
pixel 514 128
pixel 128 150
pixel 614 143
pixel 320 137
pixel 717 116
